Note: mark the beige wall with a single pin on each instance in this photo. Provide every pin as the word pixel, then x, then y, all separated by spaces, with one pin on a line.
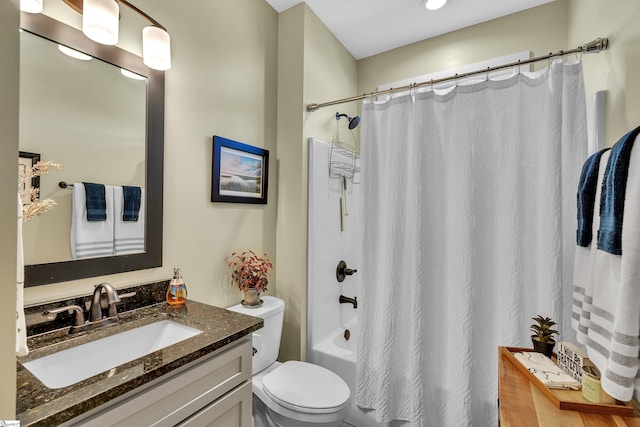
pixel 313 66
pixel 223 82
pixel 541 30
pixel 615 70
pixel 9 46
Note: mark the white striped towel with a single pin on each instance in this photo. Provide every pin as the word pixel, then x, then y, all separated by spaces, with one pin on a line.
pixel 613 341
pixel 128 235
pixel 90 239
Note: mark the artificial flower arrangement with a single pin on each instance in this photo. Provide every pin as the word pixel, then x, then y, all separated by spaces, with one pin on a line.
pixel 249 271
pixel 36 206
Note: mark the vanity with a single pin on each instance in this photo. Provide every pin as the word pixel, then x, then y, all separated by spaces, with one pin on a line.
pixel 201 380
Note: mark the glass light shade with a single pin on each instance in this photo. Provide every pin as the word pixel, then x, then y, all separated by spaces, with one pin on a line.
pixel 434 4
pixel 74 53
pixel 31 6
pixel 156 48
pixel 100 21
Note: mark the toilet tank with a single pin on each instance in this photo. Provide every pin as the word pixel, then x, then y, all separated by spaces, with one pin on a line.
pixel 266 340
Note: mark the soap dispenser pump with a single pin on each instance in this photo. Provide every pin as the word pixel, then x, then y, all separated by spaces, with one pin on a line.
pixel 177 290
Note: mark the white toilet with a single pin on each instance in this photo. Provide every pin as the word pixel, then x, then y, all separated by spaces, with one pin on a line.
pixel 290 394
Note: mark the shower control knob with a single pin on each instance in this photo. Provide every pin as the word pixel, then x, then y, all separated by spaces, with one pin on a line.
pixel 342 271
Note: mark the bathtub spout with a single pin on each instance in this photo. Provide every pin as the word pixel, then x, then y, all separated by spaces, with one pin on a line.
pixel 348 300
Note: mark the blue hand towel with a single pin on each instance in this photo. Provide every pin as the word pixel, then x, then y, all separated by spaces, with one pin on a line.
pixel 614 186
pixel 96 202
pixel 587 197
pixel 131 208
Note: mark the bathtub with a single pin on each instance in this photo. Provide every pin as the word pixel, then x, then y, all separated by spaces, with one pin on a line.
pixel 338 354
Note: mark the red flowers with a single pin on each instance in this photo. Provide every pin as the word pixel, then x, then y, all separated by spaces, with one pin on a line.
pixel 248 270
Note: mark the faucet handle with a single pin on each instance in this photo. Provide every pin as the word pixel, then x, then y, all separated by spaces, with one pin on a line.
pixel 78 319
pixel 342 271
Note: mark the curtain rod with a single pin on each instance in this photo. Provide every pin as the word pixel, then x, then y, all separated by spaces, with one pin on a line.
pixel 595 46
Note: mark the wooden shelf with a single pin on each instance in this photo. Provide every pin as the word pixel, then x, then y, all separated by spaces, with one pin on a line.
pixel 566 399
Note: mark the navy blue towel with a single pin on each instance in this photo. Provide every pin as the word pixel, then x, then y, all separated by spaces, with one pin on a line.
pixel 614 186
pixel 587 198
pixel 131 208
pixel 96 202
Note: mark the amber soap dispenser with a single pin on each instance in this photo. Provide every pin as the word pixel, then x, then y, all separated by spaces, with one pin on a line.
pixel 177 290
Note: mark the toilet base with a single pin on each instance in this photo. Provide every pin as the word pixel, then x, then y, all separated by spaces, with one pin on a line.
pixel 263 416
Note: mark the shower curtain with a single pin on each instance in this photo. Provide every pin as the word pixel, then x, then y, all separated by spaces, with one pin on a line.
pixel 469 230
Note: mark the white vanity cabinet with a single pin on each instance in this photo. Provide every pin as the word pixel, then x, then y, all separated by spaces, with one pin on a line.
pixel 214 390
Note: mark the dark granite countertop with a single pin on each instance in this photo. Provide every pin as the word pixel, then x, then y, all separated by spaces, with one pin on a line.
pixel 38 405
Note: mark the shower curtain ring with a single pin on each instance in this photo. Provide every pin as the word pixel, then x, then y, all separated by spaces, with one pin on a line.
pixel 488 69
pixel 431 85
pixel 518 67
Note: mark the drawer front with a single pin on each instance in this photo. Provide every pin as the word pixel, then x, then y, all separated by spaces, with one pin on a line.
pixel 174 399
pixel 232 410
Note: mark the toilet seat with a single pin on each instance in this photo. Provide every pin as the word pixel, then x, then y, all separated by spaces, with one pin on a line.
pixel 307 388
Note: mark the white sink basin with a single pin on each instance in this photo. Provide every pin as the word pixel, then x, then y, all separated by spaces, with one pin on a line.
pixel 75 364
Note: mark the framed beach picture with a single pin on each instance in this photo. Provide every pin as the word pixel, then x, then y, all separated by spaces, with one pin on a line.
pixel 26 161
pixel 240 172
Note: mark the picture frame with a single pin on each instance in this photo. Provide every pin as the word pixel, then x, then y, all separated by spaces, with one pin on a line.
pixel 26 161
pixel 240 172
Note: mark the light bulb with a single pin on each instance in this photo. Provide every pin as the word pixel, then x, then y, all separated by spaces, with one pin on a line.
pixel 31 6
pixel 100 21
pixel 156 48
pixel 434 4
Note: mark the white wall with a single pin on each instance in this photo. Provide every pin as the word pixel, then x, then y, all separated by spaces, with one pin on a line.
pixel 9 68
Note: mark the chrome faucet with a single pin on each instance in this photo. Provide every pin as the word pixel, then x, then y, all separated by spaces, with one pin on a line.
pixel 95 311
pixel 348 300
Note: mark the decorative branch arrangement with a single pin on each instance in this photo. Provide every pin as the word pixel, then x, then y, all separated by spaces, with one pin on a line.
pixel 37 206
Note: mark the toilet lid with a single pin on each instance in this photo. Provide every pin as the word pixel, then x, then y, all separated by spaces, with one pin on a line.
pixel 305 387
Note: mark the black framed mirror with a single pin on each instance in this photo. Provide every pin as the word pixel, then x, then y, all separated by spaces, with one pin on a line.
pixel 66 270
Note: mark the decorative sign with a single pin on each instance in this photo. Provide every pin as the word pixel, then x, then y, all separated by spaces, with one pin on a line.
pixel 571 359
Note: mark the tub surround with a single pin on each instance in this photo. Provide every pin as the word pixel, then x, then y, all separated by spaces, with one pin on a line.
pixel 38 405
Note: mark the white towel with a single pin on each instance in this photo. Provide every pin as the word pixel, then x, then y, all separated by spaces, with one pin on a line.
pixel 613 341
pixel 90 239
pixel 21 327
pixel 129 235
pixel 585 266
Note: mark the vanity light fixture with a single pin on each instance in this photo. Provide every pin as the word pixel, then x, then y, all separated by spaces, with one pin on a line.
pixel 74 53
pixel 100 23
pixel 433 4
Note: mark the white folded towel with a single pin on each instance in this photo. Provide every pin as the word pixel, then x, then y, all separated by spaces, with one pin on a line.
pixel 90 239
pixel 129 235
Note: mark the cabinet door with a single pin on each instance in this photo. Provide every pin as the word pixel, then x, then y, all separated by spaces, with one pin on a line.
pixel 232 410
pixel 180 395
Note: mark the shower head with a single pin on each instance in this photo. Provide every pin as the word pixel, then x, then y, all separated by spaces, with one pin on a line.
pixel 353 121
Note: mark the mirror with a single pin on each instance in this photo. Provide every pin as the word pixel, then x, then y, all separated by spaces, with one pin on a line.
pixel 118 144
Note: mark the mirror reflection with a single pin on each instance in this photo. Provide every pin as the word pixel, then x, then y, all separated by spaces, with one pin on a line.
pixel 87 116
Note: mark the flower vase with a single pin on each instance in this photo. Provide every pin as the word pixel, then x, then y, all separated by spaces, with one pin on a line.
pixel 251 298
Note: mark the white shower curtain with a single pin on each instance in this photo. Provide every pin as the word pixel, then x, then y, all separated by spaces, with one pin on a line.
pixel 469 230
